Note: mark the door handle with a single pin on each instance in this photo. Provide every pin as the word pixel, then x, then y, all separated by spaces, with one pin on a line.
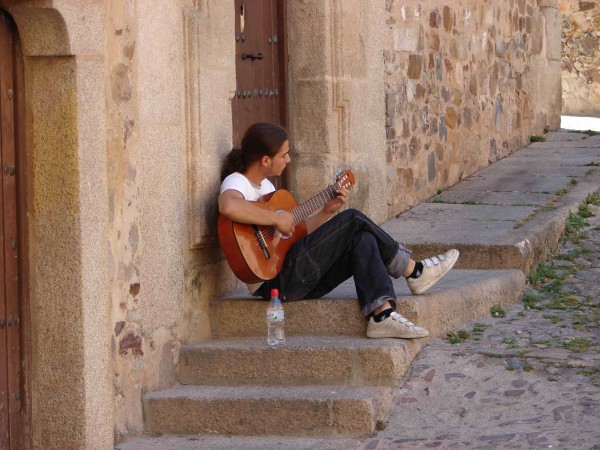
pixel 252 56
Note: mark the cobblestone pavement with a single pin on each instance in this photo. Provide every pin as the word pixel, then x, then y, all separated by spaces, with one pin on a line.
pixel 530 379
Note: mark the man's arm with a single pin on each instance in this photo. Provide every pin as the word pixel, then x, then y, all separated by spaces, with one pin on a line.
pixel 234 206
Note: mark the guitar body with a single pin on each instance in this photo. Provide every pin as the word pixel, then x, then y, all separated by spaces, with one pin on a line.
pixel 248 260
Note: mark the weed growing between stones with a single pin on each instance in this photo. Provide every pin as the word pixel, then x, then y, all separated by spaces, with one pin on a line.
pixel 510 342
pixel 579 345
pixel 479 328
pixel 561 192
pixel 536 138
pixel 593 198
pixel 585 212
pixel 456 337
pixel 497 311
pixel 553 318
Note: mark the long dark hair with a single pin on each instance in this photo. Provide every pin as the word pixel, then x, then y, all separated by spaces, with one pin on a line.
pixel 261 139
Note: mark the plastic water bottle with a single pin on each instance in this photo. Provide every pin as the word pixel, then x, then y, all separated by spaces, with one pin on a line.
pixel 275 319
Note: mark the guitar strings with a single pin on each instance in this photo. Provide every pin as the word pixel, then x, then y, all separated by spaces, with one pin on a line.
pixel 268 233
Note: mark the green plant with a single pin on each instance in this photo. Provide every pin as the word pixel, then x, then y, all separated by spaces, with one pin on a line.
pixel 552 288
pixel 510 342
pixel 561 192
pixel 584 211
pixel 592 164
pixel 546 129
pixel 573 182
pixel 541 273
pixel 553 318
pixel 531 300
pixel 456 337
pixel 536 138
pixel 592 132
pixel 497 311
pixel 574 223
pixel 479 328
pixel 593 199
pixel 578 345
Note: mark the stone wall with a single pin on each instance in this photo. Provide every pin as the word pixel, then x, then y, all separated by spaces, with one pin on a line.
pixel 580 57
pixel 466 83
pixel 129 117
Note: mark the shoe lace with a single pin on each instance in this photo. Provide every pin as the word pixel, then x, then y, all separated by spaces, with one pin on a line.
pixel 403 320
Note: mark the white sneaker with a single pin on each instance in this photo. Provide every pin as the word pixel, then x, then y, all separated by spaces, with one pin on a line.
pixel 434 269
pixel 395 326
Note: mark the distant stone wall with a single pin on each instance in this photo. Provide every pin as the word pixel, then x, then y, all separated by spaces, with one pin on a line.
pixel 580 57
pixel 466 83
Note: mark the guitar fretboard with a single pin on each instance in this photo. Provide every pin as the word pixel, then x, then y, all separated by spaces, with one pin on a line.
pixel 314 204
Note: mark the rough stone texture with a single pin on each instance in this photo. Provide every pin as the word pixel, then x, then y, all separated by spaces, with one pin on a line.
pixel 580 57
pixel 65 132
pixel 301 411
pixel 471 81
pixel 304 360
pixel 312 317
pixel 127 116
pixel 62 28
pixel 239 443
pixel 528 380
pixel 336 101
pixel 515 210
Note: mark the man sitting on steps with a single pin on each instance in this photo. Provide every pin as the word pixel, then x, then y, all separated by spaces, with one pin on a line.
pixel 336 248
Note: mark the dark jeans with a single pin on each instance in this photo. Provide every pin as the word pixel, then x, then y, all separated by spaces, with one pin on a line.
pixel 349 244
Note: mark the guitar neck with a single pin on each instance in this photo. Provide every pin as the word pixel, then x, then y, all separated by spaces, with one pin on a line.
pixel 314 204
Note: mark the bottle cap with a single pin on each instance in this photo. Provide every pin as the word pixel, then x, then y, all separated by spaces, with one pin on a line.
pixel 274 293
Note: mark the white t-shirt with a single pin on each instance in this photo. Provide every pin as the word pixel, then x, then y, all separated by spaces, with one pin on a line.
pixel 250 191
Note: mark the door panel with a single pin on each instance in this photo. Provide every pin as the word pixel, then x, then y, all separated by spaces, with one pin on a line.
pixel 260 67
pixel 10 354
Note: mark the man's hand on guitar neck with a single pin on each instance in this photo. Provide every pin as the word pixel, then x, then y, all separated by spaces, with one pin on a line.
pixel 332 206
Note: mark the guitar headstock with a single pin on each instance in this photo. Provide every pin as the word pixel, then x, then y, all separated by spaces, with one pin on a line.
pixel 345 179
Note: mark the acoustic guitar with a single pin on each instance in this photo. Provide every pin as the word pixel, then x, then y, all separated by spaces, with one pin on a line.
pixel 254 252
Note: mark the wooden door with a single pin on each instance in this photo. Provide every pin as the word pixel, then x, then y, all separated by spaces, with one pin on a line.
pixel 11 398
pixel 261 67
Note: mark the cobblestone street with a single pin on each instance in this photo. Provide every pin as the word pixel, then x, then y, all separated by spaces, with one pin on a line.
pixel 526 379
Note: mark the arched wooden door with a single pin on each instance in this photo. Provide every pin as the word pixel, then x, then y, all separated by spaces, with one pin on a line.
pixel 261 67
pixel 13 409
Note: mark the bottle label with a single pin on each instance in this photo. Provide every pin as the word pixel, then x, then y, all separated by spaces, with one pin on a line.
pixel 275 315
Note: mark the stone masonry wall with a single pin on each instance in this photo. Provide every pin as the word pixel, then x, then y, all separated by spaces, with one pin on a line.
pixel 467 82
pixel 580 57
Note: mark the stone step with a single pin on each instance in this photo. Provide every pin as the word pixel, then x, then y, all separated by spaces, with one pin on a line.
pixel 462 296
pixel 267 410
pixel 304 360
pixel 239 443
pixel 499 222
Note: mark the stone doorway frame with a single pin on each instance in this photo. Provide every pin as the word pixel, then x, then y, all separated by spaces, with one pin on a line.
pixel 65 147
pixel 337 98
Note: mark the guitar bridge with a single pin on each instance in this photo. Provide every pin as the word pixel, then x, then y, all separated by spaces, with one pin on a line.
pixel 261 241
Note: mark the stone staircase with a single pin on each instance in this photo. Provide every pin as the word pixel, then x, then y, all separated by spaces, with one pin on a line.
pixel 328 380
pixel 329 385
